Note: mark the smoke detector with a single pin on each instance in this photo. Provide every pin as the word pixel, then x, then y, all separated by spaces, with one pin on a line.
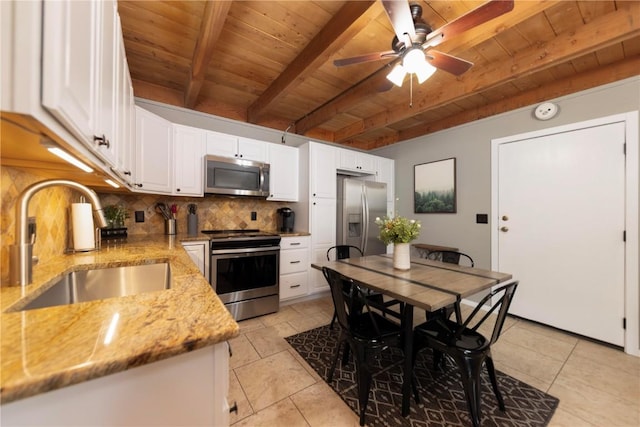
pixel 546 111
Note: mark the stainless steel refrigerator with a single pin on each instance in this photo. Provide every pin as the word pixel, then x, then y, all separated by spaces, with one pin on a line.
pixel 359 203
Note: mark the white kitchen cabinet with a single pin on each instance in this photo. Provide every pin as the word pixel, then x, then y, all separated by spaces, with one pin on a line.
pixel 154 153
pixel 323 236
pixel 220 144
pixel 198 251
pixel 294 266
pixel 125 113
pixel 322 170
pixel 283 179
pixel 386 174
pixel 357 162
pixel 188 389
pixel 79 71
pixel 188 148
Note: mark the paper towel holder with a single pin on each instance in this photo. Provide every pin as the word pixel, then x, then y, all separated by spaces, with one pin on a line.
pixel 70 238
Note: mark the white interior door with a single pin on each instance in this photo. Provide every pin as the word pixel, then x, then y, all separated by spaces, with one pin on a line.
pixel 561 216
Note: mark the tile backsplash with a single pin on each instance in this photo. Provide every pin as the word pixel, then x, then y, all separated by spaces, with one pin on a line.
pixel 213 212
pixel 50 207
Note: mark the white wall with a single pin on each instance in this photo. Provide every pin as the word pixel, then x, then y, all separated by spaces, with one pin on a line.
pixel 470 144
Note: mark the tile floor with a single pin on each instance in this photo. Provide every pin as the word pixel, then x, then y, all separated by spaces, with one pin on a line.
pixel 597 385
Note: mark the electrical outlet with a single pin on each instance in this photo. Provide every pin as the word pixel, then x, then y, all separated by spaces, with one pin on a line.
pixel 254 216
pixel 482 218
pixel 139 216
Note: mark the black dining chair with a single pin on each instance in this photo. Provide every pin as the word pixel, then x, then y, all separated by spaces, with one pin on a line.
pixel 451 257
pixel 362 330
pixel 375 298
pixel 466 346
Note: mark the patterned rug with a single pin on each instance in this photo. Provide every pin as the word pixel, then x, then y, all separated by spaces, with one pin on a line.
pixel 442 398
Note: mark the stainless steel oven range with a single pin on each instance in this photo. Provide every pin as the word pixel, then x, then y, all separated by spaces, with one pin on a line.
pixel 245 271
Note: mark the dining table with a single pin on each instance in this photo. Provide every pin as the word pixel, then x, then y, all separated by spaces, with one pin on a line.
pixel 427 285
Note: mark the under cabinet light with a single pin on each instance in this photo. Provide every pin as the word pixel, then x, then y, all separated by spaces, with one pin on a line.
pixel 111 183
pixel 52 148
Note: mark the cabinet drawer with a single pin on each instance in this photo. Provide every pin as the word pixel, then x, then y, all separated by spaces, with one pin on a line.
pixel 294 261
pixel 294 242
pixel 293 285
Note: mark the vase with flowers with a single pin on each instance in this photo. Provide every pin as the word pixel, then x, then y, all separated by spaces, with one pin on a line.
pixel 399 231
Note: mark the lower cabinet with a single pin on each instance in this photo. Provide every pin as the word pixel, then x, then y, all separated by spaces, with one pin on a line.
pixel 294 266
pixel 189 389
pixel 199 254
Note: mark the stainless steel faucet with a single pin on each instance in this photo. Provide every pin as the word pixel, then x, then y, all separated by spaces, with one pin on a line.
pixel 21 253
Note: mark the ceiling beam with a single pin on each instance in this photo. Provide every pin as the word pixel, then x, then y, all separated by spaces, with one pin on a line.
pixel 458 43
pixel 215 13
pixel 344 25
pixel 600 33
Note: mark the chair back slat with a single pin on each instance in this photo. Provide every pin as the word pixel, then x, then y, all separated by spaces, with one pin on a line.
pixel 348 299
pixel 343 251
pixel 451 257
pixel 504 295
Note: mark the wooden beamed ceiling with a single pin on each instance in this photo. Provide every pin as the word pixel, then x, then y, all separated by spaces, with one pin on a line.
pixel 271 62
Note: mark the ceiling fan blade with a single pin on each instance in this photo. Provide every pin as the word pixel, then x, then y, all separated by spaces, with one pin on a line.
pixel 400 16
pixel 364 58
pixel 446 62
pixel 480 15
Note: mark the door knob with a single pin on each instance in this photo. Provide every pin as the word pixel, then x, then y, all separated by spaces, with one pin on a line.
pixel 505 229
pixel 505 218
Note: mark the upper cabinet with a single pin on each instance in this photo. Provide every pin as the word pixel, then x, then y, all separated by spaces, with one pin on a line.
pixel 169 157
pixel 283 180
pixel 322 170
pixel 125 115
pixel 355 161
pixel 386 173
pixel 188 148
pixel 79 71
pixel 154 153
pixel 220 144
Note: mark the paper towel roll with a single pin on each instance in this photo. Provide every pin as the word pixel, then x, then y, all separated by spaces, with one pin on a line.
pixel 83 229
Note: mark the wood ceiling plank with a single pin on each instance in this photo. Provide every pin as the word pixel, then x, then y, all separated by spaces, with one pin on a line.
pixel 347 22
pixel 214 15
pixel 600 33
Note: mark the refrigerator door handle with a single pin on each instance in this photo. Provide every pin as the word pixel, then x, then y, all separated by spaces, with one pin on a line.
pixel 365 221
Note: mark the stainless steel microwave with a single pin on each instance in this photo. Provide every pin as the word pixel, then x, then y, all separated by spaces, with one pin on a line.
pixel 236 177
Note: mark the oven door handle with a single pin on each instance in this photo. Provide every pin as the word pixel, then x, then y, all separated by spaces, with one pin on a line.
pixel 244 250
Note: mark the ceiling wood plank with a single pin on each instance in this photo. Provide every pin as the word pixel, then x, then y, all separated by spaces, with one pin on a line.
pixel 522 11
pixel 330 38
pixel 215 13
pixel 599 33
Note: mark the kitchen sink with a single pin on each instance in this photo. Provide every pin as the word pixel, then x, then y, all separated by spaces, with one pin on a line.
pixel 90 285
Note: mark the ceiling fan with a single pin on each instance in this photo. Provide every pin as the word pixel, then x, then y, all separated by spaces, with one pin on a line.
pixel 415 39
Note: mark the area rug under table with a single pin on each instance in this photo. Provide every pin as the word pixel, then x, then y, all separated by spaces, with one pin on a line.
pixel 442 397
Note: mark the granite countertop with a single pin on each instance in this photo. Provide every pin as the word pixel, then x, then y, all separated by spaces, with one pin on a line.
pixel 54 347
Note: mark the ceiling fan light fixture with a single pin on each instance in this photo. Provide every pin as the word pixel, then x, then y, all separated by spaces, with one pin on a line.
pixel 424 72
pixel 414 60
pixel 397 74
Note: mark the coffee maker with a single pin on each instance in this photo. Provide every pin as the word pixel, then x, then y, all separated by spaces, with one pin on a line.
pixel 286 219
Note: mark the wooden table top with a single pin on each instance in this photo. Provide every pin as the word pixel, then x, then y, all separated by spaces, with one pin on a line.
pixel 429 285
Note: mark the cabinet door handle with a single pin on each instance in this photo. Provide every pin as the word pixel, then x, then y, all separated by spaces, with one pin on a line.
pixel 101 140
pixel 294 262
pixel 294 286
pixel 295 244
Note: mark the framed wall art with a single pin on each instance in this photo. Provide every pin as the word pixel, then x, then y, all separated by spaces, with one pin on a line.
pixel 434 186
